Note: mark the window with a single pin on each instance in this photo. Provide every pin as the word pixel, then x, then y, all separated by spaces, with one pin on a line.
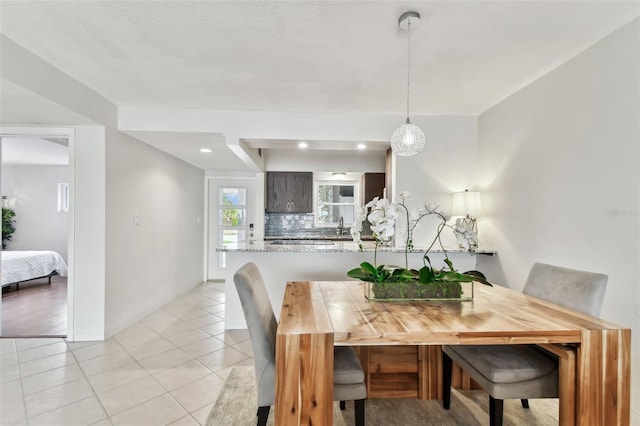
pixel 335 200
pixel 232 218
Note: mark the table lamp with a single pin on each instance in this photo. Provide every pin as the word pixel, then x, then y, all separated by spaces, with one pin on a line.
pixel 467 204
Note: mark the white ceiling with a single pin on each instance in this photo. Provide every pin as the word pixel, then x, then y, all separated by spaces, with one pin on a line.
pixel 18 105
pixel 310 56
pixel 187 147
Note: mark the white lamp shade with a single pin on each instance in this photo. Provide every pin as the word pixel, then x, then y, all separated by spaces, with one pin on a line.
pixel 466 203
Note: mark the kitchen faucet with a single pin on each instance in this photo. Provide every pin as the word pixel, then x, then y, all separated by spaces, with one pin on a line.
pixel 340 228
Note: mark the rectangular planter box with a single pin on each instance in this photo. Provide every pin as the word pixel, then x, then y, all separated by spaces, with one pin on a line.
pixel 460 291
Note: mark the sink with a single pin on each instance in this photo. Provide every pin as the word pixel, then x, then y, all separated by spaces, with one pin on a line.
pixel 302 242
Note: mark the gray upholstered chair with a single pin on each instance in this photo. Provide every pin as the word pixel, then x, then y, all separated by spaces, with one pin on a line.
pixel 525 371
pixel 348 376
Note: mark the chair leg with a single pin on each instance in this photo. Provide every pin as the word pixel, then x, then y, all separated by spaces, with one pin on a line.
pixel 359 411
pixel 343 405
pixel 263 413
pixel 495 411
pixel 525 403
pixel 447 366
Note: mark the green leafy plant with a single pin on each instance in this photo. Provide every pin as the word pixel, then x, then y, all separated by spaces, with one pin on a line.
pixel 8 221
pixel 427 274
pixel 382 216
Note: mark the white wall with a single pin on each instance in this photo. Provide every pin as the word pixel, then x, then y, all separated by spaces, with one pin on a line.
pixel 39 225
pixel 87 282
pixel 324 161
pixel 446 165
pixel 115 175
pixel 561 181
pixel 151 263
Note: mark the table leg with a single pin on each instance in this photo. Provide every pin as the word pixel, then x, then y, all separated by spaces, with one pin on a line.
pixel 430 372
pixel 603 378
pixel 304 379
pixel 567 382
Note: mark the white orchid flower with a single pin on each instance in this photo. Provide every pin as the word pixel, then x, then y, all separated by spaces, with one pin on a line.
pixel 382 204
pixel 371 203
pixel 417 213
pixel 435 209
pixel 431 208
pixel 382 215
pixel 393 211
pixel 466 236
pixel 404 195
pixel 384 233
pixel 375 216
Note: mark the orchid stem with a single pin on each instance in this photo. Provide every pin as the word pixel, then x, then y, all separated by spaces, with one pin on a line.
pixel 408 239
pixel 375 255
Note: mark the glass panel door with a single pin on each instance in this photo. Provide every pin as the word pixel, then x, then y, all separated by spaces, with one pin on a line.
pixel 232 218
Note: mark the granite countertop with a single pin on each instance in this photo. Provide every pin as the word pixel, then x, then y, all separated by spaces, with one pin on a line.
pixel 317 246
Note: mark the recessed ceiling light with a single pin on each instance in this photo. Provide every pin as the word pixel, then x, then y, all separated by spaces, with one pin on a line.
pixel 303 145
pixel 361 146
pixel 207 150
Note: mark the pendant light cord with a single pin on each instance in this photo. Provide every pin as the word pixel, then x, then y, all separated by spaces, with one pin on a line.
pixel 408 139
pixel 408 64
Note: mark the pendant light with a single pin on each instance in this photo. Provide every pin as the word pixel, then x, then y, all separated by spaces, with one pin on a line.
pixel 408 139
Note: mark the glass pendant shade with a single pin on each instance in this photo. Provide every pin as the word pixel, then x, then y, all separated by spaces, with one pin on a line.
pixel 407 140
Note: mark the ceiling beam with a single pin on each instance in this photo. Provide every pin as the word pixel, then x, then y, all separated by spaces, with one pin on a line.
pixel 251 157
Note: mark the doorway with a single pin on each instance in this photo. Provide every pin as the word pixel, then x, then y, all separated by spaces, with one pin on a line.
pixel 231 219
pixel 35 257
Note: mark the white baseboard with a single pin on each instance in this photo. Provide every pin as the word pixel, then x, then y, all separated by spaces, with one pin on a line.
pixel 79 337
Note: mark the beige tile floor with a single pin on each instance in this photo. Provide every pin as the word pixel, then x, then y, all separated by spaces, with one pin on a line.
pixel 167 369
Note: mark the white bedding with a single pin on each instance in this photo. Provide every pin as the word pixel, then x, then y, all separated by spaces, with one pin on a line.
pixel 20 266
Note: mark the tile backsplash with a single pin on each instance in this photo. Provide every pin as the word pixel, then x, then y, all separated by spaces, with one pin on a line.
pixel 278 224
pixel 299 225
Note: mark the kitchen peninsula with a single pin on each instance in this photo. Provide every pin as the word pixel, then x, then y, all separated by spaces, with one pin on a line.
pixel 281 261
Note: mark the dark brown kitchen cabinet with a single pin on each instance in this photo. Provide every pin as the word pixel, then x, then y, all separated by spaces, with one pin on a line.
pixel 373 185
pixel 289 192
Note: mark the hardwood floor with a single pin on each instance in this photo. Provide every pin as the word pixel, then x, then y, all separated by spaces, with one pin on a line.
pixel 36 310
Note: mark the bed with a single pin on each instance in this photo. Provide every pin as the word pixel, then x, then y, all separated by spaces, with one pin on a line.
pixel 20 266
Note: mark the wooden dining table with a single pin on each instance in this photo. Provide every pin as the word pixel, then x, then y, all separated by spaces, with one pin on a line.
pixel 594 355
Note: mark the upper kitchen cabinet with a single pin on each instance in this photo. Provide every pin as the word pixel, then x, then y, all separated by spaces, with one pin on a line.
pixel 373 185
pixel 289 192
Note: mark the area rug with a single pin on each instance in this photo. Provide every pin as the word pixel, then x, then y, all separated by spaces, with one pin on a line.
pixel 236 405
